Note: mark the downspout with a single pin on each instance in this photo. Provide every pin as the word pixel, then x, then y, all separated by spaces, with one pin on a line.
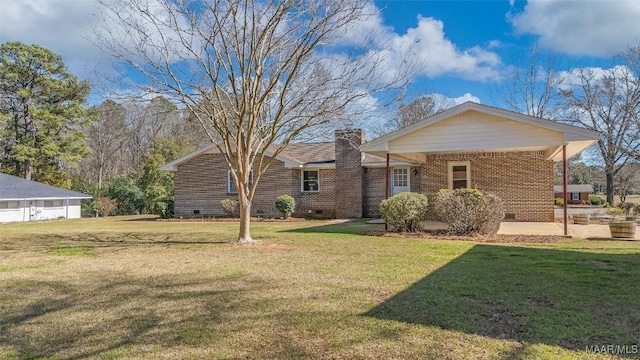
pixel 564 187
pixel 386 191
pixel 24 209
pixel 67 215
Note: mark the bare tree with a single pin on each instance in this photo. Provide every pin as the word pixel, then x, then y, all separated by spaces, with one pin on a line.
pixel 106 136
pixel 608 101
pixel 418 109
pixel 627 180
pixel 266 70
pixel 532 87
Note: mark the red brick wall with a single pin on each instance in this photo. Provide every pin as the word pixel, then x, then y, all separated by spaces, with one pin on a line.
pixel 375 187
pixel 523 180
pixel 349 174
pixel 201 183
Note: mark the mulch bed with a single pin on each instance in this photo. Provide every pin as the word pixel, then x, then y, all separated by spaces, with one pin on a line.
pixel 443 235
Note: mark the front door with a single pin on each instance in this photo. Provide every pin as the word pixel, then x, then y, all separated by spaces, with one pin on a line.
pixel 400 180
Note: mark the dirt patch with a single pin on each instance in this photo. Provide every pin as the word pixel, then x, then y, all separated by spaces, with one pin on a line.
pixel 497 238
pixel 380 295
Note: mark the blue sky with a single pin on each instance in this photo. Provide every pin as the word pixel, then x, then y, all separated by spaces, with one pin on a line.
pixel 467 46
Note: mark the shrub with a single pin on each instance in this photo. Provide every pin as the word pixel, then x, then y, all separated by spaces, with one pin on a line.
pixel 404 211
pixel 469 211
pixel 164 209
pixel 596 200
pixel 559 202
pixel 286 205
pixel 105 206
pixel 229 206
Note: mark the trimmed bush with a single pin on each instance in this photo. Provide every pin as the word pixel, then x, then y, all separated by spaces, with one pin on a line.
pixel 596 200
pixel 404 212
pixel 164 209
pixel 229 206
pixel 286 205
pixel 469 211
pixel 559 202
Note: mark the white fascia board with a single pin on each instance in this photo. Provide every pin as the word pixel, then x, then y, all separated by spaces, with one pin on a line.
pixel 391 164
pixel 48 198
pixel 211 148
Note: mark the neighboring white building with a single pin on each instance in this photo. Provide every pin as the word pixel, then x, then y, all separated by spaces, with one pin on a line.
pixel 26 200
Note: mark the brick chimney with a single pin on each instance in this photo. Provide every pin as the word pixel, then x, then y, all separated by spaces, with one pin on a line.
pixel 349 173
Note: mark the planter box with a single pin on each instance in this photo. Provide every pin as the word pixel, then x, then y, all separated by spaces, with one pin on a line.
pixel 581 219
pixel 623 229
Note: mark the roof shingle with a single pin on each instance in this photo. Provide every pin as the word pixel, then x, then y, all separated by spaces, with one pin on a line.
pixel 12 187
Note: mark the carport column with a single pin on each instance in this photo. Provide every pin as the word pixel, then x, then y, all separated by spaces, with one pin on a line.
pixel 564 186
pixel 386 188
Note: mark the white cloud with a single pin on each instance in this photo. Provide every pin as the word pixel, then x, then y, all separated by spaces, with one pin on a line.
pixel 596 28
pixel 58 25
pixel 426 45
pixel 444 102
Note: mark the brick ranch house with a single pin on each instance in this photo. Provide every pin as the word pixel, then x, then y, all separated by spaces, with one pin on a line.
pixel 470 145
pixel 576 194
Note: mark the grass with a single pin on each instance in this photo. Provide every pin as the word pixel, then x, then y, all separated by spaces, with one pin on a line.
pixel 129 288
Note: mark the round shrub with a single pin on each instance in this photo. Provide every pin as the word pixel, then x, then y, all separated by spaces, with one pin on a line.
pixel 596 200
pixel 469 211
pixel 404 212
pixel 559 202
pixel 229 206
pixel 286 205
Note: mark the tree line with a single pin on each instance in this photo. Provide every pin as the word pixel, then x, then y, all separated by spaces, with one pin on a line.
pixel 112 151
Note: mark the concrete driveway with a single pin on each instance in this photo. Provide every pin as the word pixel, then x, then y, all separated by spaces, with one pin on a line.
pixel 591 231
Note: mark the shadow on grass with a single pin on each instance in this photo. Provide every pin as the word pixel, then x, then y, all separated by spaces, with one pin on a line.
pixel 353 227
pixel 556 297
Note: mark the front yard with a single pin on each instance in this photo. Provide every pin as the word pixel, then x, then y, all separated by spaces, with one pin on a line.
pixel 129 288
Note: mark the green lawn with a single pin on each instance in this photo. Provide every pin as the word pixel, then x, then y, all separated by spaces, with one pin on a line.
pixel 134 289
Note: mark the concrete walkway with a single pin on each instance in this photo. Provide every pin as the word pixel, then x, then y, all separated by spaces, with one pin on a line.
pixel 591 231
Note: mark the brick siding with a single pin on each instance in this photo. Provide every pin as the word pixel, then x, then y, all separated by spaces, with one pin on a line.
pixel 349 173
pixel 201 183
pixel 523 180
pixel 375 186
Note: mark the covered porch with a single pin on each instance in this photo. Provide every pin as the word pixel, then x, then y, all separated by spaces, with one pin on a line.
pixel 494 150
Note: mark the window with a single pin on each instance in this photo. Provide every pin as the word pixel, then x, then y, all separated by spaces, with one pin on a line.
pixel 575 196
pixel 459 175
pixel 9 205
pixel 231 185
pixel 401 177
pixel 52 203
pixel 310 180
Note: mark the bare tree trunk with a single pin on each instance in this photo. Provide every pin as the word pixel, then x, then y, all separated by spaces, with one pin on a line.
pixel 28 169
pixel 244 235
pixel 610 189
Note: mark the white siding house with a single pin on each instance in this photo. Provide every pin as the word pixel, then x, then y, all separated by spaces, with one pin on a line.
pixel 26 200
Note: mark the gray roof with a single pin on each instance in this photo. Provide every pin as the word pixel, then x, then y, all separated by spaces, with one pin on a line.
pixel 316 153
pixel 12 187
pixel 574 188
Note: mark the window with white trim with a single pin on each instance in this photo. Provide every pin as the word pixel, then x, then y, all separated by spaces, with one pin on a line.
pixel 53 203
pixel 459 175
pixel 310 180
pixel 575 196
pixel 400 177
pixel 9 205
pixel 231 185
